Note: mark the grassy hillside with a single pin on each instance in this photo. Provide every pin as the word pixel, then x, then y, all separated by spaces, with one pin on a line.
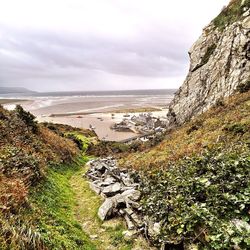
pixel 225 126
pixel 36 201
pixel 196 182
pixel 230 14
pixel 45 203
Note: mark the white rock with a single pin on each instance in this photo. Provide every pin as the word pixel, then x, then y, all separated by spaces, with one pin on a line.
pixel 106 209
pixel 112 189
pixel 95 188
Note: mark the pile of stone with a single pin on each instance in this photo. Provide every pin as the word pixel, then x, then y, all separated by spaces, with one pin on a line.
pixel 119 189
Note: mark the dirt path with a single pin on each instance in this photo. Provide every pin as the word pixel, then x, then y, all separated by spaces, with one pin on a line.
pixel 105 235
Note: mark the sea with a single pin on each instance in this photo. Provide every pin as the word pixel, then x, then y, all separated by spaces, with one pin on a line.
pixel 92 108
pixel 66 102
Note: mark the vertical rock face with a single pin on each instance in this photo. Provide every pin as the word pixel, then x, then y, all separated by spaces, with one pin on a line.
pixel 219 63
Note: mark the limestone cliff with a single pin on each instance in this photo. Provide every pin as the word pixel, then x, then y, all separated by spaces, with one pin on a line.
pixel 219 63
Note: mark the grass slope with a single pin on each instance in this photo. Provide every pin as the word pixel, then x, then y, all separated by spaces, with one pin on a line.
pixel 225 126
pixel 107 235
pixel 196 182
pixel 48 222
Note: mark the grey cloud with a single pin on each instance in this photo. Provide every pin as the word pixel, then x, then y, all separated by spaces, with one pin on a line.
pixel 144 56
pixel 148 53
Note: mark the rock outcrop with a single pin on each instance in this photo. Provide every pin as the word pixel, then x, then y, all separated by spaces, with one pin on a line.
pixel 120 189
pixel 219 64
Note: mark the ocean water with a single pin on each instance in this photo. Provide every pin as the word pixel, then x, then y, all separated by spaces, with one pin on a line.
pixel 145 92
pixel 47 103
pixel 82 109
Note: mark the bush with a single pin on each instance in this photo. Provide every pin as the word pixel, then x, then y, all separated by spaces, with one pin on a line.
pixel 237 128
pixel 16 163
pixel 199 200
pixel 27 117
pixel 230 14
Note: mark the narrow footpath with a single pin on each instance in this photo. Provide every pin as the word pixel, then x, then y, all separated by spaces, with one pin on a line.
pixel 106 235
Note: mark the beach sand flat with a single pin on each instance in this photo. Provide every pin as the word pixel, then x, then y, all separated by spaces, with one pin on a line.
pixel 83 111
pixel 101 121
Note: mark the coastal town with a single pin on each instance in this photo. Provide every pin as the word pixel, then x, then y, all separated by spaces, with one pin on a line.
pixel 143 123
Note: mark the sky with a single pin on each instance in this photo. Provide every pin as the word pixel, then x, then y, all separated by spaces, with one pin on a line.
pixel 70 45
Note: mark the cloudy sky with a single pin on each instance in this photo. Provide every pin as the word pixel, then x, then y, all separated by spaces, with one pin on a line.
pixel 50 45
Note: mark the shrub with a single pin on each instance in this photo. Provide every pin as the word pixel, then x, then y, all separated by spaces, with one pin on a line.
pixel 13 194
pixel 237 128
pixel 230 14
pixel 17 163
pixel 199 199
pixel 27 117
pixel 197 124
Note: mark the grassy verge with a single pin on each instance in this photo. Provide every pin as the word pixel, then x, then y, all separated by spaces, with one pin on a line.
pixel 53 203
pixel 106 235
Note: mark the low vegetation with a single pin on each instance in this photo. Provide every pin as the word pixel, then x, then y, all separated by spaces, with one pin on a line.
pixel 202 200
pixel 47 221
pixel 231 13
pixel 196 181
pixel 226 125
pixel 44 201
pixel 36 200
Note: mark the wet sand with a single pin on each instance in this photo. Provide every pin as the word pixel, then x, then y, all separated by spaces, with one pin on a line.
pixel 101 121
pixel 83 111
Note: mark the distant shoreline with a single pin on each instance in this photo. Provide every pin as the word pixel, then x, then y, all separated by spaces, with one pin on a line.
pixel 115 111
pixel 11 101
pixel 100 112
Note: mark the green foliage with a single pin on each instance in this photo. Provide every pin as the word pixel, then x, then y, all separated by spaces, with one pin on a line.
pixel 52 211
pixel 16 162
pixel 15 234
pixel 81 141
pixel 238 128
pixel 230 14
pixel 208 54
pixel 118 237
pixel 199 198
pixel 27 117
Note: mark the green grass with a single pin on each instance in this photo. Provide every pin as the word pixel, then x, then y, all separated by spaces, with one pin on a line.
pixel 232 13
pixel 109 232
pixel 81 140
pixel 53 203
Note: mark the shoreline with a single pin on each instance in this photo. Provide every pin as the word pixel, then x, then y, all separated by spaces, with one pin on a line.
pixel 12 101
pixel 102 122
pixel 100 113
pixel 112 111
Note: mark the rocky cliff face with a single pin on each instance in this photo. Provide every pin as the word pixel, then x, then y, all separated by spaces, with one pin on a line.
pixel 219 63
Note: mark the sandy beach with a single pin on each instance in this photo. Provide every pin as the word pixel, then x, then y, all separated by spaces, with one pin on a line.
pixel 83 111
pixel 100 121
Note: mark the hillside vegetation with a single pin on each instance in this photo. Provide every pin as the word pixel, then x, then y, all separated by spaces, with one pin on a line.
pixel 196 182
pixel 45 203
pixel 226 126
pixel 36 201
pixel 230 14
